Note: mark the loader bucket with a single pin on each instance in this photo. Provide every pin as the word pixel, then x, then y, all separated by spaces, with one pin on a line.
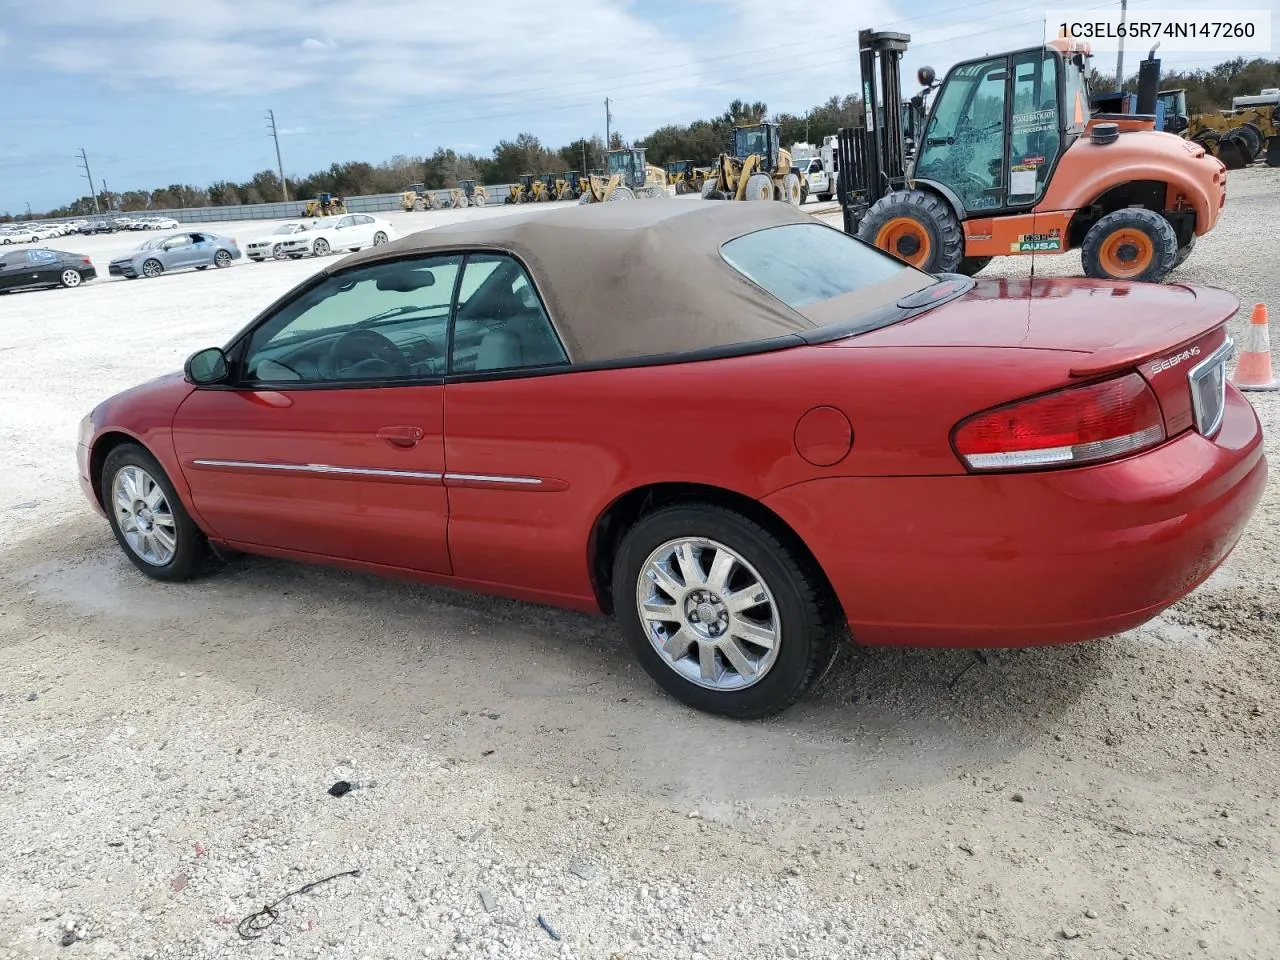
pixel 1230 154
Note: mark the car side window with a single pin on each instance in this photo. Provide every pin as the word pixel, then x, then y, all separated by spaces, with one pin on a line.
pixel 346 221
pixel 362 219
pixel 501 323
pixel 382 322
pixel 174 242
pixel 41 256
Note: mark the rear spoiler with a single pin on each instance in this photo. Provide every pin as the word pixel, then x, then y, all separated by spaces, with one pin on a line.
pixel 1213 308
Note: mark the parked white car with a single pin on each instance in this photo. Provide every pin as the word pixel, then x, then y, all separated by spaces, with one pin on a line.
pixel 270 246
pixel 352 231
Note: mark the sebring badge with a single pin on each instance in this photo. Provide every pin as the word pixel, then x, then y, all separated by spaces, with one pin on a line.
pixel 1168 363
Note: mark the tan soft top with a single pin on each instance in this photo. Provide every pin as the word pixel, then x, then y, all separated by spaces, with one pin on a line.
pixel 629 279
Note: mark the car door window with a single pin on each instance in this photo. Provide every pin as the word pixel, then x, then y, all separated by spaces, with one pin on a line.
pixel 963 146
pixel 382 322
pixel 177 243
pixel 42 258
pixel 501 323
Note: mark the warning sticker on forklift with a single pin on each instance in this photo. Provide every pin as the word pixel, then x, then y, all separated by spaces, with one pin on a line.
pixel 1035 122
pixel 1031 242
pixel 1022 181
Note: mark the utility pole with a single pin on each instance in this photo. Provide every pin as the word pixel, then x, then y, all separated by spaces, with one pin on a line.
pixel 271 129
pixel 608 125
pixel 584 157
pixel 1124 9
pixel 84 162
pixel 29 213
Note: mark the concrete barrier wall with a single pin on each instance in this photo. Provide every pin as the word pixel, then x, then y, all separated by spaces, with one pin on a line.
pixel 375 203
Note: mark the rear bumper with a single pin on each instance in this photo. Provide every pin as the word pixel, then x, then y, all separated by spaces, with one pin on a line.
pixel 1036 558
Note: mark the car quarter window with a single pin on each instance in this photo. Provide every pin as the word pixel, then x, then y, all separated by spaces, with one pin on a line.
pixel 501 324
pixel 386 321
pixel 41 256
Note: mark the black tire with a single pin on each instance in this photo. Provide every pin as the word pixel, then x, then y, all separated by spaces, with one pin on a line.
pixel 934 217
pixel 1184 252
pixel 71 277
pixel 379 238
pixel 152 268
pixel 825 197
pixel 972 266
pixel 222 259
pixel 1273 151
pixel 277 253
pixel 806 633
pixel 1158 230
pixel 191 553
pixel 320 248
pixel 1250 140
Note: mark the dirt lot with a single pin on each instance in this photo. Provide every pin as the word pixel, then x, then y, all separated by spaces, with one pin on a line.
pixel 168 748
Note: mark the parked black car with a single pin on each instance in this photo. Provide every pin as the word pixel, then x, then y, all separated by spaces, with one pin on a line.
pixel 42 267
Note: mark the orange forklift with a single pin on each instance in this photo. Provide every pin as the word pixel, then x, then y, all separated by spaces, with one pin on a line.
pixel 1010 161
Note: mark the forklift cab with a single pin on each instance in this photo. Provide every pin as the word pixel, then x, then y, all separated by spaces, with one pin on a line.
pixel 680 168
pixel 999 124
pixel 573 178
pixel 468 188
pixel 549 181
pixel 629 164
pixel 758 139
pixel 526 181
pixel 1172 105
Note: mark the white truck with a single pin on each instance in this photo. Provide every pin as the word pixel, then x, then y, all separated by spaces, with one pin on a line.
pixel 819 164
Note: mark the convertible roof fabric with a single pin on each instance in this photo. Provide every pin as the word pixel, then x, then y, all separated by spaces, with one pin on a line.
pixel 632 278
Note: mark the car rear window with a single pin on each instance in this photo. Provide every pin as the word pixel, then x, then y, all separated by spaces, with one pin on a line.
pixel 822 272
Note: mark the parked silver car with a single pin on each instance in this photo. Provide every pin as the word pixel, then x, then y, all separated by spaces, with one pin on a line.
pixel 179 251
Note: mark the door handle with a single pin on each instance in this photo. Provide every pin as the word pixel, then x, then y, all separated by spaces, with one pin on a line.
pixel 401 436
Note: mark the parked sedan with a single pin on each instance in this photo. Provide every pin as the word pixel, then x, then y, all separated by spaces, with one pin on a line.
pixel 180 251
pixel 753 433
pixel 41 267
pixel 353 231
pixel 261 248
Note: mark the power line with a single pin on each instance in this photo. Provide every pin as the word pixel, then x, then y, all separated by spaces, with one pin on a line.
pixel 275 135
pixel 84 161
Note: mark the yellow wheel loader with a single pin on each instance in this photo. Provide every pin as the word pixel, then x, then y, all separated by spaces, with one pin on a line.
pixel 325 205
pixel 476 194
pixel 686 177
pixel 522 190
pixel 544 188
pixel 758 169
pixel 627 177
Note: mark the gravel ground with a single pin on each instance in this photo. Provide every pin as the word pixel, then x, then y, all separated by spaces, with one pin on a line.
pixel 168 748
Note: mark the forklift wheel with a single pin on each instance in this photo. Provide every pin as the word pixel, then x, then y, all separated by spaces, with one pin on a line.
pixel 916 227
pixel 971 266
pixel 1130 244
pixel 1273 151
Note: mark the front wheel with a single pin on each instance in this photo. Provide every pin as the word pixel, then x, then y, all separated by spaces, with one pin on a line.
pixel 278 254
pixel 722 614
pixel 147 517
pixel 918 228
pixel 320 248
pixel 152 268
pixel 1130 244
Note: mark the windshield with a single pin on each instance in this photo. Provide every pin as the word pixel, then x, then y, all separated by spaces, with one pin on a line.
pixel 751 141
pixel 289 228
pixel 619 162
pixel 153 244
pixel 822 272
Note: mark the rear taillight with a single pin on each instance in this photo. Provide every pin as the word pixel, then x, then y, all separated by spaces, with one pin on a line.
pixel 1087 424
pixel 87 260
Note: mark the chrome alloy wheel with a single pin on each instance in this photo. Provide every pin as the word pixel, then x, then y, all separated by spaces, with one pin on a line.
pixel 144 515
pixel 708 613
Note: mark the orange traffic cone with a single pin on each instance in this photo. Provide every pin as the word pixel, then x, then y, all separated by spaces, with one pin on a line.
pixel 1254 370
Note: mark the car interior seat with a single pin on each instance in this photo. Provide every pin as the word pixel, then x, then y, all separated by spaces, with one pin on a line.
pixel 518 336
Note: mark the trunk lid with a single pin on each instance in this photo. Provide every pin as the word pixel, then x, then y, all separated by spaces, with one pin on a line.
pixel 1167 332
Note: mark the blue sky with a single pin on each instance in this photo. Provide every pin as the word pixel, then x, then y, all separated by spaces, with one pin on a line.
pixel 165 91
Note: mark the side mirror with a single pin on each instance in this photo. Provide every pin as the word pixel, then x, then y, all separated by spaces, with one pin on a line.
pixel 926 76
pixel 206 367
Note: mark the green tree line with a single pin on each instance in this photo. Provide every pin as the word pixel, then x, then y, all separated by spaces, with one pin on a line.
pixel 701 141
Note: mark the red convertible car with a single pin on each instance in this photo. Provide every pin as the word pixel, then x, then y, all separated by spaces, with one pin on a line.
pixel 736 429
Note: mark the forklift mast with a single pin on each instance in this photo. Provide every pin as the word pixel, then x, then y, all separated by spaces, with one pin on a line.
pixel 873 157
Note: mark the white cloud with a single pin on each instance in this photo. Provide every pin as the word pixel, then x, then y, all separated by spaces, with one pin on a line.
pixel 291 131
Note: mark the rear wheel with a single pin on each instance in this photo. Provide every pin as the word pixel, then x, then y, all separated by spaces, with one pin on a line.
pixel 791 192
pixel 621 193
pixel 147 517
pixel 70 278
pixel 916 227
pixel 222 259
pixel 722 614
pixel 1273 151
pixel 1249 139
pixel 709 191
pixel 1130 244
